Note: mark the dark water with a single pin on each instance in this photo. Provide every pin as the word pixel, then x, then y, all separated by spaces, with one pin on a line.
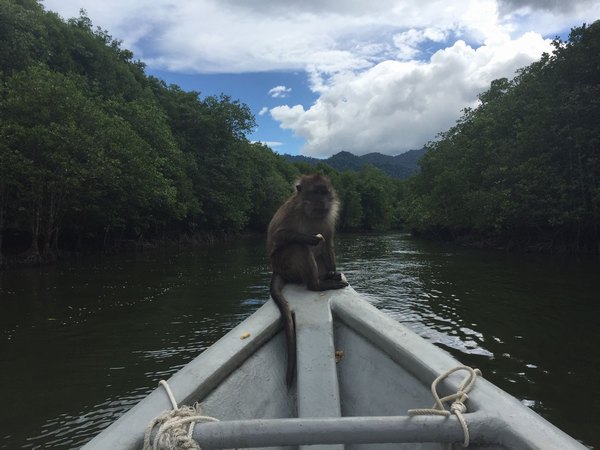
pixel 83 341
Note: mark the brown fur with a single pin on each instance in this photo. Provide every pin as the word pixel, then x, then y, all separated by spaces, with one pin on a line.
pixel 300 246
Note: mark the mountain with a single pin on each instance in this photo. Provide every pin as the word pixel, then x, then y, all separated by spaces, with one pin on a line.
pixel 399 166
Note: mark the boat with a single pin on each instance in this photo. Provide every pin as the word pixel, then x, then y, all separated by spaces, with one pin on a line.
pixel 361 378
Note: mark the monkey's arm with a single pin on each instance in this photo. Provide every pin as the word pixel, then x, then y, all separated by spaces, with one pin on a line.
pixel 285 237
pixel 327 262
pixel 328 256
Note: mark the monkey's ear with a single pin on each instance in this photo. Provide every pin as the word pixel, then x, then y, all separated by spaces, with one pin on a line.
pixel 299 187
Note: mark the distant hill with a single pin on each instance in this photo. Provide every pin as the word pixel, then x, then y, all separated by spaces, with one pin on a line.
pixel 399 166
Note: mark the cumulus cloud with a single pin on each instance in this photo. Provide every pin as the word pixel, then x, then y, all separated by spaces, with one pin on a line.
pixel 389 74
pixel 236 36
pixel 263 111
pixel 233 36
pixel 279 91
pixel 408 42
pixel 400 105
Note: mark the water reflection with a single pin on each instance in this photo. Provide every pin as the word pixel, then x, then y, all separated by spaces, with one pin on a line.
pixel 102 332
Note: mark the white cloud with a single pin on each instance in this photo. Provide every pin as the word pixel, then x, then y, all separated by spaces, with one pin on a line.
pixel 400 105
pixel 408 42
pixel 279 91
pixel 236 36
pixel 389 74
pixel 214 36
pixel 263 111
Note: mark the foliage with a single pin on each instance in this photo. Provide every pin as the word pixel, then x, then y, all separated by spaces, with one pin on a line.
pixel 369 198
pixel 94 151
pixel 523 168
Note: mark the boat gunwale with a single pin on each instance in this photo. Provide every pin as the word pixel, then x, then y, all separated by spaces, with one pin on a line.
pixel 514 425
pixel 195 380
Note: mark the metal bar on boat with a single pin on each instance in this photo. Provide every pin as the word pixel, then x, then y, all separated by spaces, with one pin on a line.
pixel 341 430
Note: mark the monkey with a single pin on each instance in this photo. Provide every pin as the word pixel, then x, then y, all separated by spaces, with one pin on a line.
pixel 300 247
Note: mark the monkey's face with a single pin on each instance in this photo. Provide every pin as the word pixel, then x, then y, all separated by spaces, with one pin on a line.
pixel 317 200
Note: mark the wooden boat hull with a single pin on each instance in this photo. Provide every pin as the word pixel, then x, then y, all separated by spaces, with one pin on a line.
pixel 360 401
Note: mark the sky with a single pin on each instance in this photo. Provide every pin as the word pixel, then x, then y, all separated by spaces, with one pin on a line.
pixel 322 76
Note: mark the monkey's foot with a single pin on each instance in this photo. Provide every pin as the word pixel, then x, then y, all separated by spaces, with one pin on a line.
pixel 337 276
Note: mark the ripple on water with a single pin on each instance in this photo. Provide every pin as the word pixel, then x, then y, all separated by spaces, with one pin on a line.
pixel 72 431
pixel 529 325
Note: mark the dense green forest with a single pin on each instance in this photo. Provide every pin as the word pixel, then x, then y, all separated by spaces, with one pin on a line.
pixel 94 153
pixel 523 168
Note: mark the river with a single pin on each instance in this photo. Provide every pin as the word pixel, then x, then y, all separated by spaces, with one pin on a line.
pixel 84 340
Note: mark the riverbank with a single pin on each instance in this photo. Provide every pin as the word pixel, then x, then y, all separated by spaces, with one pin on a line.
pixel 526 242
pixel 33 258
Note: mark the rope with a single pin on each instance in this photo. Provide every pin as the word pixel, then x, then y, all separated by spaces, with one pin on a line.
pixel 172 433
pixel 457 407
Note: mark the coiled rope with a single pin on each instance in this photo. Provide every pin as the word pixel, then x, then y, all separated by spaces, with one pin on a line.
pixel 175 426
pixel 458 399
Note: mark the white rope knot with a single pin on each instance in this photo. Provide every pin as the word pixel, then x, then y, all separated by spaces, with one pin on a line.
pixel 175 426
pixel 458 407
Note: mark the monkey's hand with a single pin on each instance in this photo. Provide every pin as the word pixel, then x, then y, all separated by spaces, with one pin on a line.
pixel 284 237
pixel 315 239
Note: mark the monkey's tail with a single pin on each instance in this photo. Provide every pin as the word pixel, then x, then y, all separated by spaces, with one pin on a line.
pixel 277 283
